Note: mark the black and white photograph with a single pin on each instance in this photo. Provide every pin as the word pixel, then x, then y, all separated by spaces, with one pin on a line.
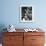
pixel 26 13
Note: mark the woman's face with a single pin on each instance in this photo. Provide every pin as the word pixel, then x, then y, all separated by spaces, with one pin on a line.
pixel 25 17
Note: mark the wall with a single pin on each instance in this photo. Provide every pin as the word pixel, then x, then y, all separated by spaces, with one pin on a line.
pixel 10 12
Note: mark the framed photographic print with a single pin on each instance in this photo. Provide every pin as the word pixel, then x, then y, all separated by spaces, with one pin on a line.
pixel 26 13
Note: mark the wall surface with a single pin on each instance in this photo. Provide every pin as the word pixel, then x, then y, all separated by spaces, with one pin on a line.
pixel 10 13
